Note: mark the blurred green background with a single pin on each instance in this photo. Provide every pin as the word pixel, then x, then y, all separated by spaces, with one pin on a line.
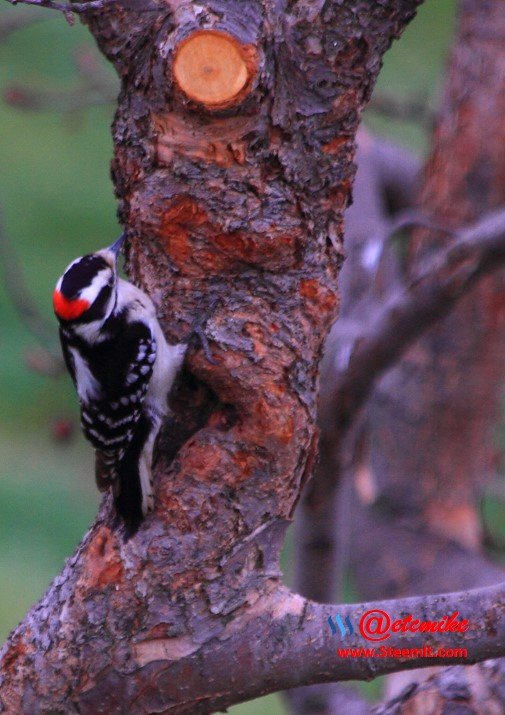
pixel 57 202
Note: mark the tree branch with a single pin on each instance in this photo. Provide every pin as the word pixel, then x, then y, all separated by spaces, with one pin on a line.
pixel 66 8
pixel 327 699
pixel 96 86
pixel 297 646
pixel 484 608
pixel 12 21
pixel 476 251
pixel 31 99
pixel 414 109
pixel 455 689
pixel 81 8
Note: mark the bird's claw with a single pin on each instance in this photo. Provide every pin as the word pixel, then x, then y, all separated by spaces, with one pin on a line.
pixel 197 329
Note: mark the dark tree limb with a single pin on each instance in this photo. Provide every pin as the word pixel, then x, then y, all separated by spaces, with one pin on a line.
pixel 327 699
pixel 376 534
pixel 31 99
pixel 452 690
pixel 17 20
pixel 475 251
pixel 453 375
pixel 66 8
pixel 402 109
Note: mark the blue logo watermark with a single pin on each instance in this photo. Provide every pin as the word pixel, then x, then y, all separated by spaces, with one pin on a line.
pixel 337 622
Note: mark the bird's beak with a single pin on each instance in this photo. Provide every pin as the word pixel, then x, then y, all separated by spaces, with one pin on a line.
pixel 116 246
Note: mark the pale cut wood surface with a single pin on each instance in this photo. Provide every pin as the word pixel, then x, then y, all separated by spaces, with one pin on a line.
pixel 210 68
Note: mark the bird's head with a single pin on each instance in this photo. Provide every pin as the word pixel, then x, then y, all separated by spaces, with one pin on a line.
pixel 87 289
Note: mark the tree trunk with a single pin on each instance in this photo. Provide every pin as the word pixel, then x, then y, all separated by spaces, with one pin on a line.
pixel 432 417
pixel 431 421
pixel 233 164
pixel 444 396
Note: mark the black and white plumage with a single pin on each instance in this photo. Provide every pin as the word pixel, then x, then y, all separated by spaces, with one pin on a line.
pixel 123 370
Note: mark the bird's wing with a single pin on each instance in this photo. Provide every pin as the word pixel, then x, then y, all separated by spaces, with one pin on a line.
pixel 110 423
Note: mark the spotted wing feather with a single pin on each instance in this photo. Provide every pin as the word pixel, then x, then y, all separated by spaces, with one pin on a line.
pixel 111 423
pixel 109 419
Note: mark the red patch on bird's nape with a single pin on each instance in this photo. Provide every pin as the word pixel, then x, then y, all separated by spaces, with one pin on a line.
pixel 68 309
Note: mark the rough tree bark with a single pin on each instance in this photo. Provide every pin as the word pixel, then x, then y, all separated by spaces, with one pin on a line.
pixel 233 167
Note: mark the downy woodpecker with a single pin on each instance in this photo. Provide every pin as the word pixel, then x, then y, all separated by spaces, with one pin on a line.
pixel 122 368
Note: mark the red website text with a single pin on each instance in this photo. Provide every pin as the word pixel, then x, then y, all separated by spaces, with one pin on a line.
pixel 389 652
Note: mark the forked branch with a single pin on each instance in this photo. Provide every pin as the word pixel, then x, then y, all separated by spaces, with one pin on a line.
pixel 475 251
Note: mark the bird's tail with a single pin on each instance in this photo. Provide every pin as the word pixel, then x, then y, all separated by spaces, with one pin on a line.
pixel 130 476
pixel 105 470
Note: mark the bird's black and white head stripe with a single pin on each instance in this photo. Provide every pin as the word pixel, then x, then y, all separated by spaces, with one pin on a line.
pixel 87 290
pixel 81 273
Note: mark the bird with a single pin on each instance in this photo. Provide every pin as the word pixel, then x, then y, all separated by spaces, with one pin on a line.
pixel 123 369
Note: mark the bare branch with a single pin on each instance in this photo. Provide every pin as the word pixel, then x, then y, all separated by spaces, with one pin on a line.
pixel 12 21
pixel 398 169
pixel 30 99
pixel 80 8
pixel 96 87
pixel 481 607
pixel 411 218
pixel 414 109
pixel 477 250
pixel 66 8
pixel 455 689
pixel 327 699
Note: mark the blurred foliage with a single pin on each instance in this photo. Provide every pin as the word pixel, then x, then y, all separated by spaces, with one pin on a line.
pixel 413 73
pixel 57 202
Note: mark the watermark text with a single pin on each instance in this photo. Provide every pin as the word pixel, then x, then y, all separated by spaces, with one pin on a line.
pixel 388 652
